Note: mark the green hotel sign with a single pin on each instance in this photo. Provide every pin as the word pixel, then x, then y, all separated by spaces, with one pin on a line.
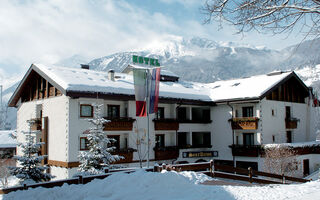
pixel 145 60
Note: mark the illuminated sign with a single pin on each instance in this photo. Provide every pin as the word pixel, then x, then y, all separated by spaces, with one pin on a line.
pixel 200 154
pixel 145 60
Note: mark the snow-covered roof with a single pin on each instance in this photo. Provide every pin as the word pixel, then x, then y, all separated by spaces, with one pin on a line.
pixel 245 88
pixel 6 141
pixel 77 80
pixel 83 80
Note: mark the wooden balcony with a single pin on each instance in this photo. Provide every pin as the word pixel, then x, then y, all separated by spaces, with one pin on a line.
pixel 36 126
pixel 166 124
pixel 244 123
pixel 126 153
pixel 166 153
pixel 119 124
pixel 246 150
pixel 291 123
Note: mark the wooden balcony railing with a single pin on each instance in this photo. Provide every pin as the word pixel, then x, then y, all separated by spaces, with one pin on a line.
pixel 166 153
pixel 36 126
pixel 126 153
pixel 119 124
pixel 244 123
pixel 246 150
pixel 291 123
pixel 166 124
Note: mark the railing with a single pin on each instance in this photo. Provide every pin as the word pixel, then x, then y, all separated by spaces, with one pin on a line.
pixel 244 123
pixel 119 124
pixel 127 155
pixel 166 153
pixel 246 150
pixel 207 168
pixel 166 124
pixel 291 123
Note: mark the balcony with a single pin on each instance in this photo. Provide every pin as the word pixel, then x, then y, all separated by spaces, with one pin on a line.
pixel 166 124
pixel 119 124
pixel 244 123
pixel 291 123
pixel 126 153
pixel 246 150
pixel 166 153
pixel 36 125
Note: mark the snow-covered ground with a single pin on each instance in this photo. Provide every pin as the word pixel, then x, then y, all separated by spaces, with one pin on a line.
pixel 167 185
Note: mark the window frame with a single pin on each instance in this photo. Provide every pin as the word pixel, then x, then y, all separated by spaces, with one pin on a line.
pixel 160 113
pixel 245 112
pixel 86 144
pixel 86 116
pixel 109 107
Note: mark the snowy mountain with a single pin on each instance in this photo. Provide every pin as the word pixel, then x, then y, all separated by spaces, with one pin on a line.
pixel 203 60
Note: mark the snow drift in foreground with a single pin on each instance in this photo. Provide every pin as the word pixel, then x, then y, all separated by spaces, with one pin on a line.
pixel 167 185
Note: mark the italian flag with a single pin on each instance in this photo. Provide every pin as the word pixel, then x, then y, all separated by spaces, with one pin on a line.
pixel 140 88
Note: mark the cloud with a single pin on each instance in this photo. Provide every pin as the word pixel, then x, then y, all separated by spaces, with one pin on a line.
pixel 47 31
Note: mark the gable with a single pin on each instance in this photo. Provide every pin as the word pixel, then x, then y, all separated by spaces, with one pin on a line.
pixel 291 89
pixel 34 87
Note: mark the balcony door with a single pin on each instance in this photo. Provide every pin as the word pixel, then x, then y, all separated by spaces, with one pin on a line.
pixel 160 140
pixel 182 139
pixel 115 142
pixel 247 111
pixel 248 139
pixel 113 111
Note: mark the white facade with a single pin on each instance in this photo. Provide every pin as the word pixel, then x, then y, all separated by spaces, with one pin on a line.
pixel 193 130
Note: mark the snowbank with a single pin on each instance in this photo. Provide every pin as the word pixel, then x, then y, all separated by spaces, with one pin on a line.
pixel 167 185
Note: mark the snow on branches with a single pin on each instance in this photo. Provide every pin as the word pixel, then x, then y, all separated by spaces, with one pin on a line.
pixel 98 156
pixel 266 15
pixel 31 170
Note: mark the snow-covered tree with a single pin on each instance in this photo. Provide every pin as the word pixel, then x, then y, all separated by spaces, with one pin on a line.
pixel 98 156
pixel 266 15
pixel 30 169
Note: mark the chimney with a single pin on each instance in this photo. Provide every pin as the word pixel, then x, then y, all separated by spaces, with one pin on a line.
pixel 111 75
pixel 85 66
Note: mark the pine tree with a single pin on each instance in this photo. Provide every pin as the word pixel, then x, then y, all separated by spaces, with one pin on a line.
pixel 30 170
pixel 99 154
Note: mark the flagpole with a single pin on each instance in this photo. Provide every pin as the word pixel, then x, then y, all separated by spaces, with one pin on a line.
pixel 148 105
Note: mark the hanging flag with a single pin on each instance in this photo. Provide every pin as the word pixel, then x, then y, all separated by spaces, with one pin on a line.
pixel 140 88
pixel 154 90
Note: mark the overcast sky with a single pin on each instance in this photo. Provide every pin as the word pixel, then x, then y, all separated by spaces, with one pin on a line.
pixel 52 30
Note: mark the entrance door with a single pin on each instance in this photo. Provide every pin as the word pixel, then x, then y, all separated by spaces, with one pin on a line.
pixel 306 171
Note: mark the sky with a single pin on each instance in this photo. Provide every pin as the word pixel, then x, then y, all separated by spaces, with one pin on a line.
pixel 48 31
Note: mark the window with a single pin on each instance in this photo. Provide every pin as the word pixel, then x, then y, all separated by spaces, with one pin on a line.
pixel 182 113
pixel 115 141
pixel 113 111
pixel 160 113
pixel 84 143
pixel 86 110
pixel 182 139
pixel 247 111
pixel 273 138
pixel 289 136
pixel 248 139
pixel 201 139
pixel 272 112
pixel 237 140
pixel 159 140
pixel 288 112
